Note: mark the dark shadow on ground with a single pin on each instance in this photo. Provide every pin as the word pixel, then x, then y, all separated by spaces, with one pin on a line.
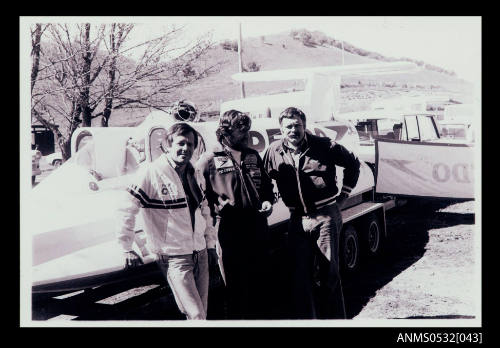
pixel 85 305
pixel 449 316
pixel 157 303
pixel 408 228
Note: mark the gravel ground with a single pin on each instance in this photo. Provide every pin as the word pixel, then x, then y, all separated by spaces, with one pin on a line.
pixel 433 257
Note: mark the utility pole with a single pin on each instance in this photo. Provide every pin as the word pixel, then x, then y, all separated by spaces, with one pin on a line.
pixel 240 50
pixel 342 52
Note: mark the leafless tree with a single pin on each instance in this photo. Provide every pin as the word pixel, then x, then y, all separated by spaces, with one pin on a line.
pixel 82 72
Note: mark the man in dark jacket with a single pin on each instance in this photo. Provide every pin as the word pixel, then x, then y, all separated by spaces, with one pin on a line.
pixel 303 166
pixel 239 193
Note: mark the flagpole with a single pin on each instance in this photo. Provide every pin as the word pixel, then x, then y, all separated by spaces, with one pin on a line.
pixel 240 50
pixel 342 52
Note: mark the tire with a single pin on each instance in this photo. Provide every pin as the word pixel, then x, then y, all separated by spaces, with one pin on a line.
pixel 350 250
pixel 373 237
pixel 33 177
pixel 56 163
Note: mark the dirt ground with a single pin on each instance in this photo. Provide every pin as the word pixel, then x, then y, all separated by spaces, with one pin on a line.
pixel 429 269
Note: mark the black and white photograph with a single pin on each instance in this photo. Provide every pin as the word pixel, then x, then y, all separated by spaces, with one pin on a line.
pixel 251 171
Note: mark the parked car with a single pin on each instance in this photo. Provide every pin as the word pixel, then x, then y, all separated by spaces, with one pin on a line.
pixel 461 130
pixel 35 164
pixel 54 159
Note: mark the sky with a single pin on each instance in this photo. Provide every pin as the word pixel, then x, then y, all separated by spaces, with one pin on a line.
pixel 450 42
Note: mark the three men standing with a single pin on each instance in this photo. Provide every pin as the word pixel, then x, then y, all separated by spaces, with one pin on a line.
pixel 239 196
pixel 304 167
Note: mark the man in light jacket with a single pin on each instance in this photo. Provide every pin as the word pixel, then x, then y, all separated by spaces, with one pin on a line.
pixel 172 205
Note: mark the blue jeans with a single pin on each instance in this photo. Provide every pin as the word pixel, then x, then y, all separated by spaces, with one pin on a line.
pixel 316 237
pixel 187 276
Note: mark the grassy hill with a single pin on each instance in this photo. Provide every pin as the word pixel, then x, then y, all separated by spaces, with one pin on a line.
pixel 283 51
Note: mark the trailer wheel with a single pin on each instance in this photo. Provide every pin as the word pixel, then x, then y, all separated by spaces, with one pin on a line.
pixel 373 235
pixel 350 250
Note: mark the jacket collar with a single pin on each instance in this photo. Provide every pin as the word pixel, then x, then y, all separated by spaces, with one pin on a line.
pixel 302 146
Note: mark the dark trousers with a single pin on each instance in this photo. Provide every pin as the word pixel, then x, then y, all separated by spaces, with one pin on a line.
pixel 314 245
pixel 243 240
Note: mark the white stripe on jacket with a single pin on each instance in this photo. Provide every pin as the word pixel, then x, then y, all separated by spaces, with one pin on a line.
pixel 157 192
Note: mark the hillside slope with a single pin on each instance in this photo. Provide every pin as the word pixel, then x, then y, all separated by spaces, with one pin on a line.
pixel 282 51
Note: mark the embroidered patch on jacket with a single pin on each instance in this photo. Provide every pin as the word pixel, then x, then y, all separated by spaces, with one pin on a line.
pixel 168 187
pixel 222 162
pixel 225 170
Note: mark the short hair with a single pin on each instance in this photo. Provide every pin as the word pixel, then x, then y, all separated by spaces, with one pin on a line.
pixel 180 128
pixel 292 112
pixel 228 120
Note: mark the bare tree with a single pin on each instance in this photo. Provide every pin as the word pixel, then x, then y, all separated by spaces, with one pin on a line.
pixel 37 103
pixel 86 71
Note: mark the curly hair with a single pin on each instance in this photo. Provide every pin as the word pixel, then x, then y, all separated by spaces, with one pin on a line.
pixel 230 119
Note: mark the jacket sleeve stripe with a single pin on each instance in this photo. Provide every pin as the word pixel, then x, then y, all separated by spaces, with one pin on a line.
pixel 159 201
pixel 171 206
pixel 325 202
pixel 161 205
pixel 146 198
pixel 346 189
pixel 133 193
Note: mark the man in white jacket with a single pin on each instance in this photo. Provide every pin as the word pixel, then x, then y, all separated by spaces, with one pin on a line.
pixel 173 211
